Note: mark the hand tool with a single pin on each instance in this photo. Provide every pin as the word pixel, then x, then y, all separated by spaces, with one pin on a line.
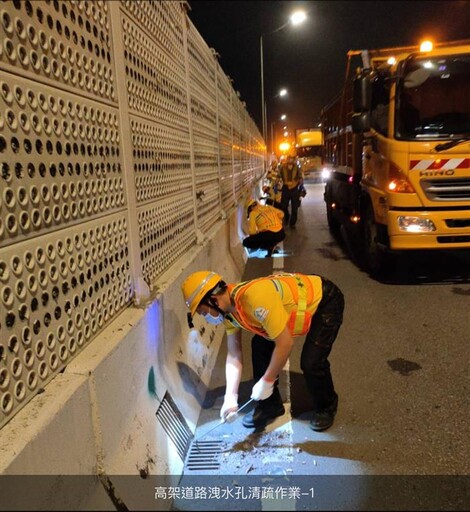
pixel 232 416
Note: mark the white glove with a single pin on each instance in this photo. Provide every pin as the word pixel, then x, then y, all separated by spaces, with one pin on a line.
pixel 229 406
pixel 262 390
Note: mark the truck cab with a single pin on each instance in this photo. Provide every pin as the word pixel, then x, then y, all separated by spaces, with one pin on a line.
pixel 309 153
pixel 397 140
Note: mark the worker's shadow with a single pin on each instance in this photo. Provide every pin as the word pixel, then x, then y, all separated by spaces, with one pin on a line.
pixel 206 397
pixel 300 399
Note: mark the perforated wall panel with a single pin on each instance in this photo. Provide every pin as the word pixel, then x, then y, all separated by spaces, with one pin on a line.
pixel 120 139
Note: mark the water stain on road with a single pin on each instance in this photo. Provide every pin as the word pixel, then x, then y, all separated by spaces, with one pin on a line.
pixel 403 366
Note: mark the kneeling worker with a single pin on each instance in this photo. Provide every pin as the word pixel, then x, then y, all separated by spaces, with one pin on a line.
pixel 265 227
pixel 276 309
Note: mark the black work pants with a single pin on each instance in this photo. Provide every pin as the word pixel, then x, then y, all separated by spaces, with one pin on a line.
pixel 291 196
pixel 264 240
pixel 318 343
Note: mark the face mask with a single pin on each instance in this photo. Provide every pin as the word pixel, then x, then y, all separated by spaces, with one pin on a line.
pixel 214 320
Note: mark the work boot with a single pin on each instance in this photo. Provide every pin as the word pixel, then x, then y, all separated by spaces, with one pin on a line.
pixel 270 252
pixel 322 420
pixel 262 414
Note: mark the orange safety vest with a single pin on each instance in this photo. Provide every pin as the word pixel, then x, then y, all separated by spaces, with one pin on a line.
pixel 302 292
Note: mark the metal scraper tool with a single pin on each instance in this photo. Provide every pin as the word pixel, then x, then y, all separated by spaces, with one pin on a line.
pixel 225 419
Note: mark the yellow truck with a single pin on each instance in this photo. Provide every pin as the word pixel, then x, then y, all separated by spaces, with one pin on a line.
pixel 309 152
pixel 397 143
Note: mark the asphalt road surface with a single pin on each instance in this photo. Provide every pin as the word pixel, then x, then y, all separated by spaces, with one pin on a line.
pixel 401 368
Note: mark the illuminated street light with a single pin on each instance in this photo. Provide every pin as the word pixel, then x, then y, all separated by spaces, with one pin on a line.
pixel 295 19
pixel 283 117
pixel 298 17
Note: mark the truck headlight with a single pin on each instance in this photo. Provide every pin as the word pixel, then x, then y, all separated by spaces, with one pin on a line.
pixel 325 174
pixel 415 224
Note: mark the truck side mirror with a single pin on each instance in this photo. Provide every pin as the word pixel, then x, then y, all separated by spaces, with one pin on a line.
pixel 360 122
pixel 361 93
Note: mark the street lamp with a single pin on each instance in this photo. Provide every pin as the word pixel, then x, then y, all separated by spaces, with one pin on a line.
pixel 296 18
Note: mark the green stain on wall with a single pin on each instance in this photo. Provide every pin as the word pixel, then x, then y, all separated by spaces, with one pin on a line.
pixel 151 384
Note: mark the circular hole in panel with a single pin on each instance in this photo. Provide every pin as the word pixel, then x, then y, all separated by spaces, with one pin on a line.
pixel 4 378
pixel 72 345
pixel 23 55
pixel 34 195
pixel 53 361
pixel 36 218
pixel 61 333
pixel 47 319
pixel 34 58
pixel 45 193
pixel 16 265
pixel 10 51
pixel 47 215
pixel 13 345
pixel 60 248
pixel 43 370
pixel 40 256
pixel 22 195
pixel 20 390
pixel 40 348
pixel 36 327
pixel 43 279
pixel 55 192
pixel 9 198
pixel 20 289
pixel 4 271
pixel 32 284
pixel 32 35
pixel 7 403
pixel 32 380
pixel 23 312
pixel 16 367
pixel 7 296
pixel 65 212
pixel 53 273
pixel 63 353
pixel 28 358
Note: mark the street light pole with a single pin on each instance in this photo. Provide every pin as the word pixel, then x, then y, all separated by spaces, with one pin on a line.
pixel 296 18
pixel 282 118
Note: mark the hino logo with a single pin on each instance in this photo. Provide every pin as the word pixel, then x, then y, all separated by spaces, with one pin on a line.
pixel 438 172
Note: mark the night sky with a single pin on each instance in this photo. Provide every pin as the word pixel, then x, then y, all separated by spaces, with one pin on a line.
pixel 309 60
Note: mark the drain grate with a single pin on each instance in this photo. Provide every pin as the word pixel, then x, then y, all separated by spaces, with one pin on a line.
pixel 204 455
pixel 174 424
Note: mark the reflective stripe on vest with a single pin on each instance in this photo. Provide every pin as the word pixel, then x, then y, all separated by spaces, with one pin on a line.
pixel 302 292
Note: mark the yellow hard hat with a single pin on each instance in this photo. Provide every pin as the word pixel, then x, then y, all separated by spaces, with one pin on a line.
pixel 250 202
pixel 197 285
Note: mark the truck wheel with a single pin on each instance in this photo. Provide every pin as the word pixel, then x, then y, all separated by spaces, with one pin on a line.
pixel 374 256
pixel 333 224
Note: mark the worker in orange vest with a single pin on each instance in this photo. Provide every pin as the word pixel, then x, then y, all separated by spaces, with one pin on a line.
pixel 277 309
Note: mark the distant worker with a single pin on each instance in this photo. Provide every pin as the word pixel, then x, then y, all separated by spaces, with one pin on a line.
pixel 292 180
pixel 273 195
pixel 265 229
pixel 273 189
pixel 277 309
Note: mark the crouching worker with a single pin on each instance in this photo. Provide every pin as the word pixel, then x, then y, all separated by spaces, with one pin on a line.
pixel 265 229
pixel 277 309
